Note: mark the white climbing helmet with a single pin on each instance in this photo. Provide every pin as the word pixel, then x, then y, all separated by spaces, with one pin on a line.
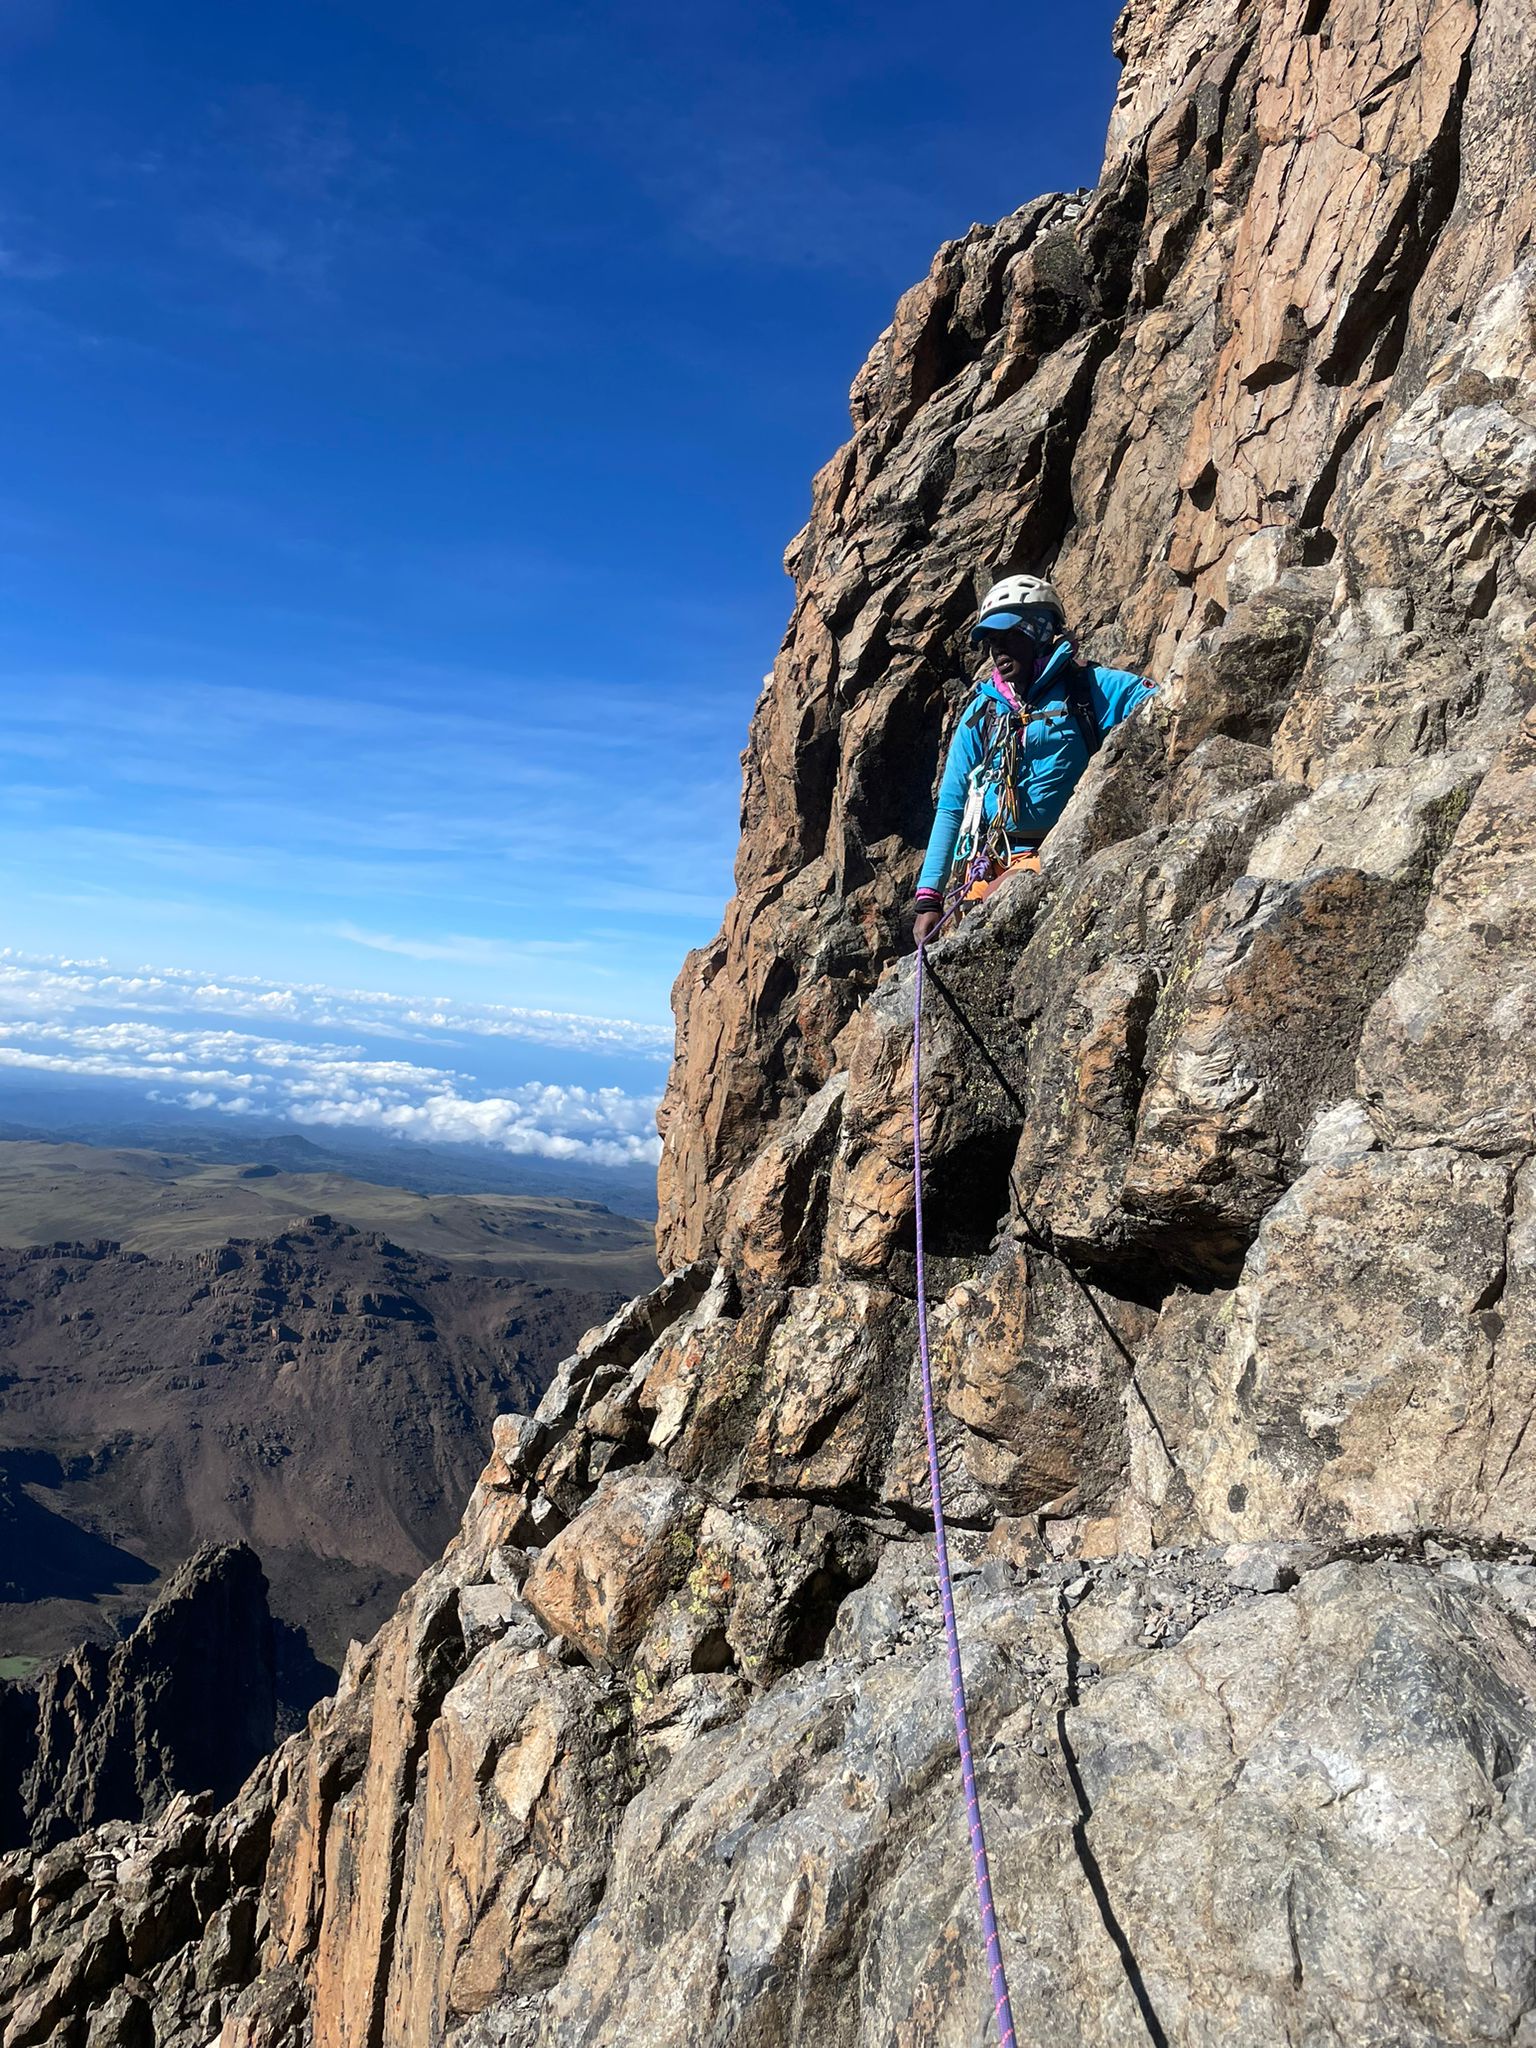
pixel 1005 604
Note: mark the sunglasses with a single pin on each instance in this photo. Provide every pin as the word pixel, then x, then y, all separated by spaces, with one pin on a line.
pixel 1015 639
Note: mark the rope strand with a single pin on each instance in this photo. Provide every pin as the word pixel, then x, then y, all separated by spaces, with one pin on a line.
pixel 1002 2007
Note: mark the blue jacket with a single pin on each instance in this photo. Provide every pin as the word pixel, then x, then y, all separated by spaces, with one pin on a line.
pixel 1051 761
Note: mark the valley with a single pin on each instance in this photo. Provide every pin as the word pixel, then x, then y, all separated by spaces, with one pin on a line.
pixel 197 1351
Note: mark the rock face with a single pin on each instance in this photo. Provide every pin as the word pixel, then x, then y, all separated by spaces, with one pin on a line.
pixel 187 1704
pixel 132 1936
pixel 1256 403
pixel 1233 1280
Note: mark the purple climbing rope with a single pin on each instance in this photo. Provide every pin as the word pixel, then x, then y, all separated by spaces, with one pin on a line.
pixel 1001 2004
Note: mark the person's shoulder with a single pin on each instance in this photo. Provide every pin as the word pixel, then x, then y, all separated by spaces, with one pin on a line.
pixel 1120 691
pixel 969 720
pixel 1118 678
pixel 982 699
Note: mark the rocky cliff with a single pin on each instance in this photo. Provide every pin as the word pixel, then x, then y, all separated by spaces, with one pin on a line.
pixel 1235 1337
pixel 322 1394
pixel 187 1703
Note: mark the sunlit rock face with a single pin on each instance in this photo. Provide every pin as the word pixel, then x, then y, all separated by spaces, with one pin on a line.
pixel 1233 1284
pixel 1256 403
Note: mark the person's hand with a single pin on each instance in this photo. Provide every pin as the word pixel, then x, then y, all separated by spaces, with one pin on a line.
pixel 923 924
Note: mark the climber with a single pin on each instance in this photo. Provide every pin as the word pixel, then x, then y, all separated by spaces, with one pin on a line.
pixel 1021 746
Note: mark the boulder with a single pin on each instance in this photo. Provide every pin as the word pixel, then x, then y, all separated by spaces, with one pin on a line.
pixel 601 1579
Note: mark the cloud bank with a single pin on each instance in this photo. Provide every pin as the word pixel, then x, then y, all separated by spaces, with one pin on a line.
pixel 52 1021
pixel 238 1073
pixel 40 985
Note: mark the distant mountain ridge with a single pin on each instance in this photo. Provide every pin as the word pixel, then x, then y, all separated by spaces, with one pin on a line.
pixel 322 1394
pixel 158 1201
pixel 52 1110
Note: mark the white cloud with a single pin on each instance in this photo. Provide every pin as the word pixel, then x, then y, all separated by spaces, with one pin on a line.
pixel 33 985
pixel 240 1073
pixel 459 948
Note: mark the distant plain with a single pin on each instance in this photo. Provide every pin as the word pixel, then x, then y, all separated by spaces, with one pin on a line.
pixel 160 1202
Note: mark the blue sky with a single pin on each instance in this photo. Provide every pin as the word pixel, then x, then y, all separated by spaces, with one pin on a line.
pixel 406 408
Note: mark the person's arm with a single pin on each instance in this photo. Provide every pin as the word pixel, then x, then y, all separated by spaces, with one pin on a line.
pixel 1116 694
pixel 964 753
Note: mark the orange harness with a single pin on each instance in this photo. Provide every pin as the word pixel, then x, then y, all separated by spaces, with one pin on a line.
pixel 1028 861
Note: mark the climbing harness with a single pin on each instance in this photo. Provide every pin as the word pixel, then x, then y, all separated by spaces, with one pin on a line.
pixel 987 849
pixel 980 887
pixel 1002 2006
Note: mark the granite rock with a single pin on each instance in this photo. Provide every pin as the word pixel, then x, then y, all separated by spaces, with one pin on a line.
pixel 1228 1138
